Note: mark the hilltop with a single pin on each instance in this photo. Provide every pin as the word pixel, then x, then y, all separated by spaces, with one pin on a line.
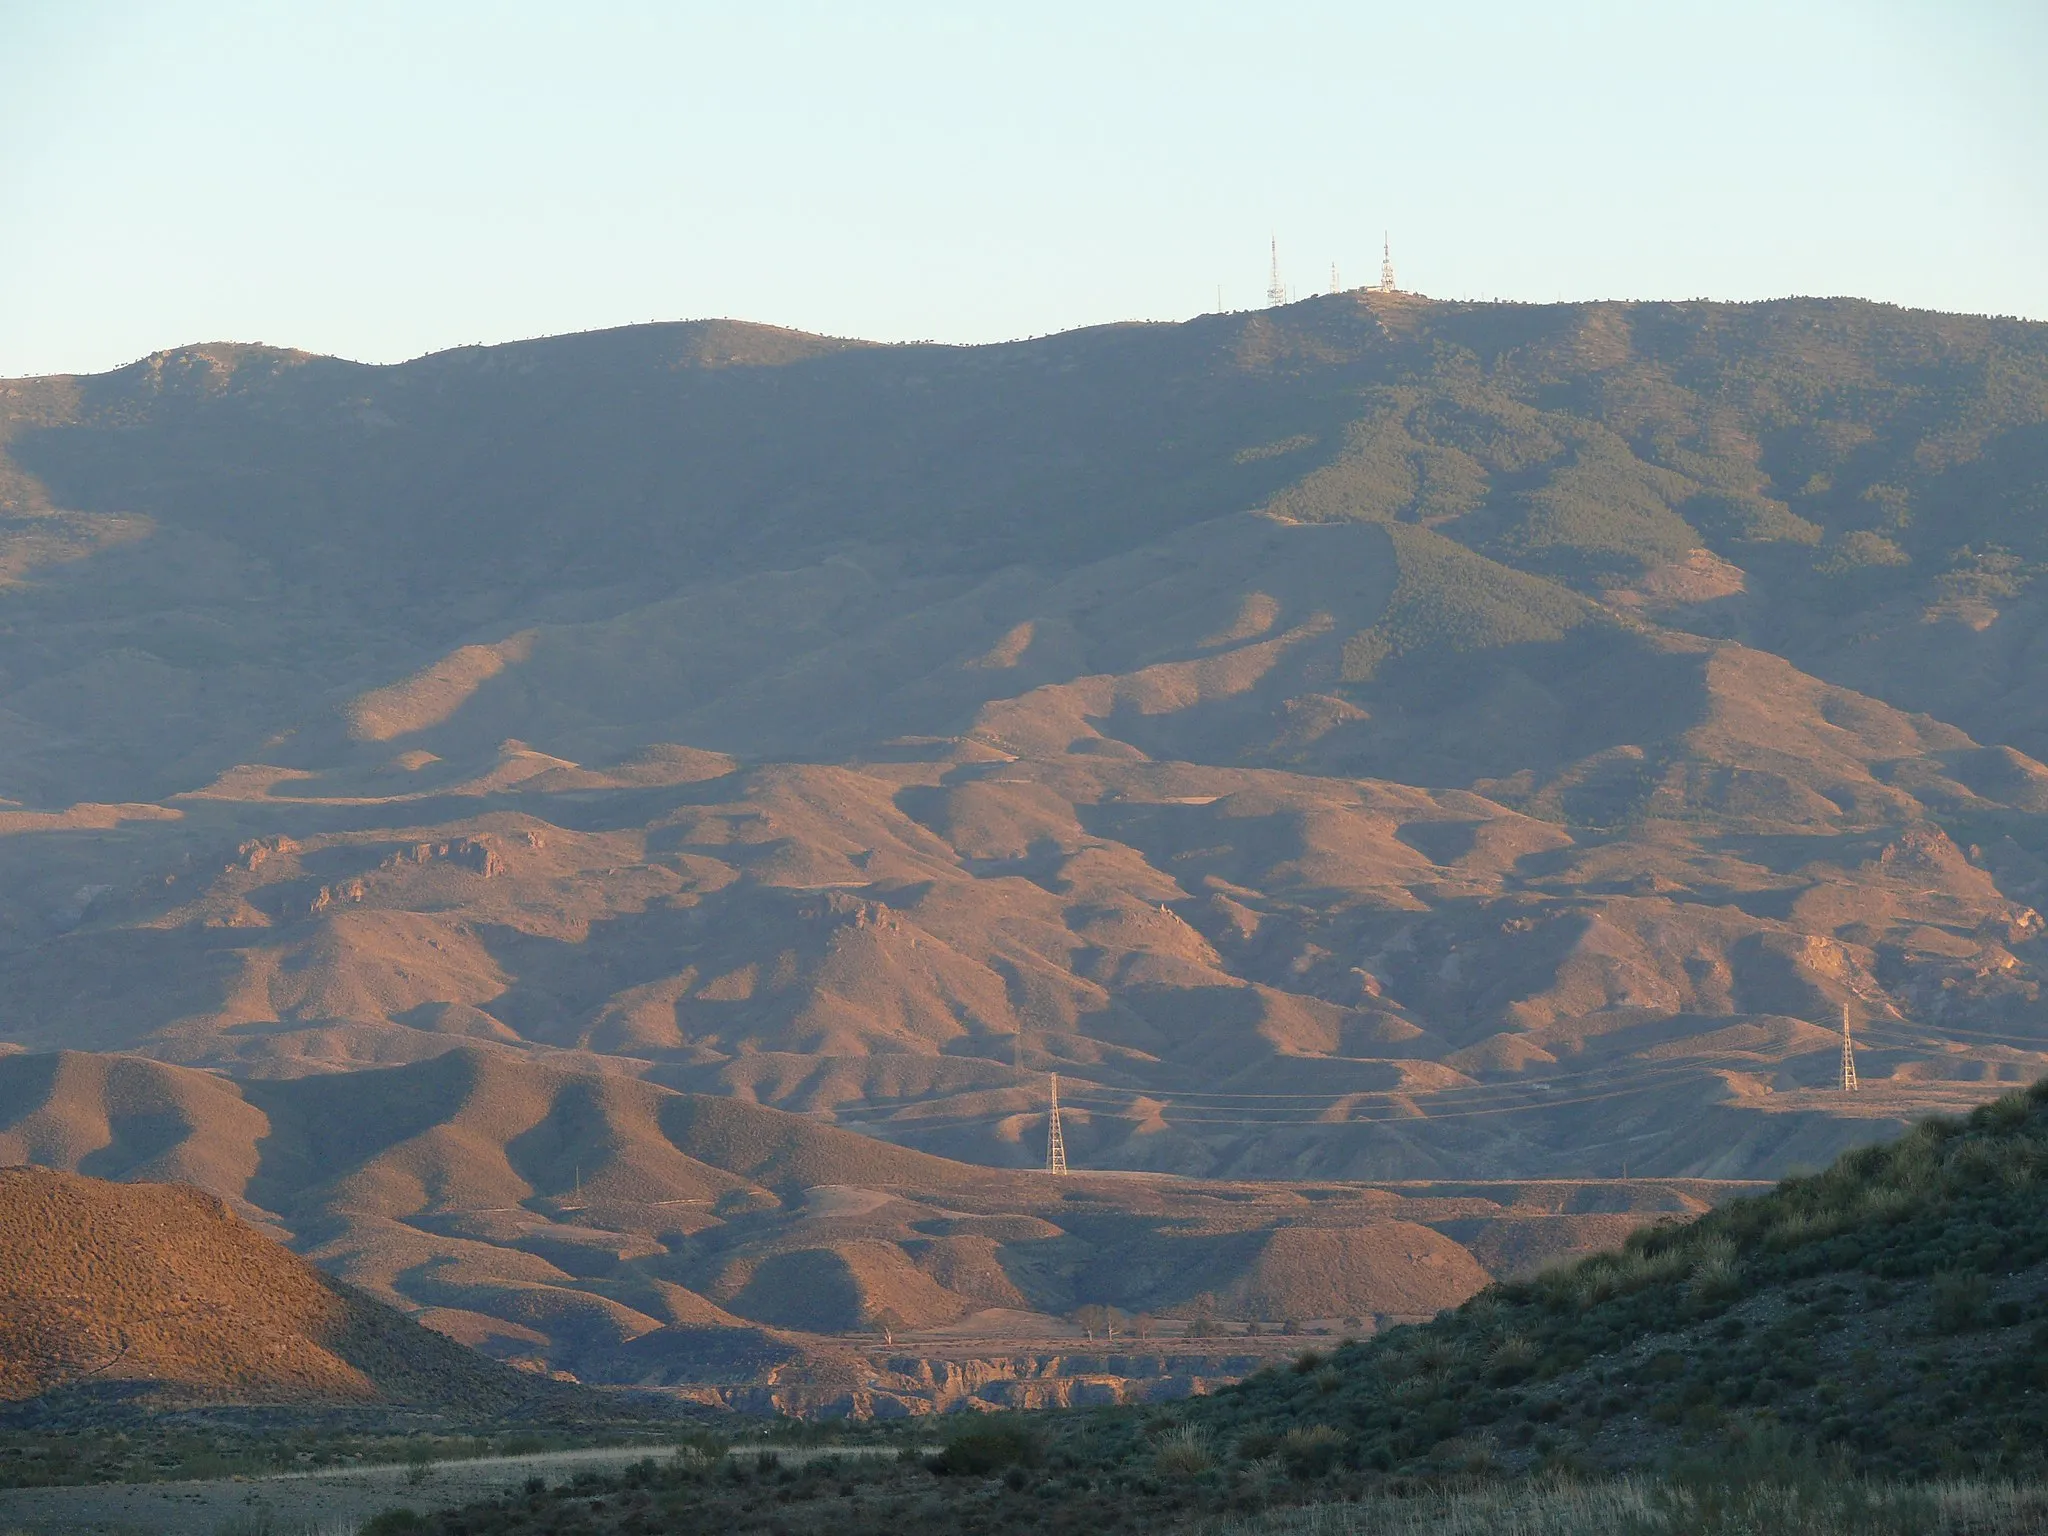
pixel 158 1293
pixel 1373 738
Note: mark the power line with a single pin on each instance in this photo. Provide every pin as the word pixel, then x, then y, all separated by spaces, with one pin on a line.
pixel 1644 1082
pixel 1055 1143
pixel 1583 1074
pixel 1256 1109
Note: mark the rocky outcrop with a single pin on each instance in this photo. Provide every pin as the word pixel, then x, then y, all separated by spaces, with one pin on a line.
pixel 908 1386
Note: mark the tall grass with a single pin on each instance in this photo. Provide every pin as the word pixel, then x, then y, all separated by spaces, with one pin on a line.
pixel 1644 1507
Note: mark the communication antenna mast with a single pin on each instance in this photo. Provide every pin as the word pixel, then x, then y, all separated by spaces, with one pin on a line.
pixel 1335 286
pixel 1387 264
pixel 1848 1055
pixel 1276 291
pixel 1055 1143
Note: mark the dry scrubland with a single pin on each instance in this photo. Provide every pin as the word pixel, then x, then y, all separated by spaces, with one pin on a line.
pixel 1374 739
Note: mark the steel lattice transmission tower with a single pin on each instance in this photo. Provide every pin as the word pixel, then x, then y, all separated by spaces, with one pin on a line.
pixel 1276 291
pixel 1387 264
pixel 1848 1055
pixel 1055 1143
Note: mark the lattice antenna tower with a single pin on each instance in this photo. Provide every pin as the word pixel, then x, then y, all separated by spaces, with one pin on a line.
pixel 1276 291
pixel 1848 1055
pixel 1335 287
pixel 1387 264
pixel 1055 1143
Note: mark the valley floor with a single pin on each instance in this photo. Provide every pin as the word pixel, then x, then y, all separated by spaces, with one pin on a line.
pixel 324 1503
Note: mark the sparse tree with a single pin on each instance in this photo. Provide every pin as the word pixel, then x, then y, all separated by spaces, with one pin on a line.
pixel 1095 1318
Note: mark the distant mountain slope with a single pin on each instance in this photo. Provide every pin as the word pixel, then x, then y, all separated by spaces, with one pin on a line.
pixel 629 1233
pixel 1372 738
pixel 161 1286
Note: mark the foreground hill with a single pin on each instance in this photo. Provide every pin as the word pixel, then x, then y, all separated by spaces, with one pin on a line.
pixel 161 1289
pixel 606 1226
pixel 1373 738
pixel 1892 1310
pixel 1794 1361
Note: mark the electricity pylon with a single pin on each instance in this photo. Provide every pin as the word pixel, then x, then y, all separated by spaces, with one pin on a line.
pixel 1848 1055
pixel 1055 1143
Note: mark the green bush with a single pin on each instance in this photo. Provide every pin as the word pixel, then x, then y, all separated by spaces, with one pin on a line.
pixel 1958 1300
pixel 1310 1450
pixel 987 1448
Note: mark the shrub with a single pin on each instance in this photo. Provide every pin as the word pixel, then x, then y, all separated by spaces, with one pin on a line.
pixel 1257 1445
pixel 1436 1354
pixel 1958 1300
pixel 1512 1358
pixel 2005 1114
pixel 1310 1451
pixel 1715 1273
pixel 988 1448
pixel 1182 1452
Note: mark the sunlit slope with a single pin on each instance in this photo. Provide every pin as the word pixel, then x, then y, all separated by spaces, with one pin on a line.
pixel 160 1289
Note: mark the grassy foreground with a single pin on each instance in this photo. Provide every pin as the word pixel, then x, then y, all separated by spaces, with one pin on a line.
pixel 1645 1507
pixel 832 1497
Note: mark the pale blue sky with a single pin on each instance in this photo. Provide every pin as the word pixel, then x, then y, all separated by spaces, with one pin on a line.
pixel 381 180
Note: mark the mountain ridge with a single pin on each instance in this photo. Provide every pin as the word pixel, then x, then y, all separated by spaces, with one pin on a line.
pixel 1460 714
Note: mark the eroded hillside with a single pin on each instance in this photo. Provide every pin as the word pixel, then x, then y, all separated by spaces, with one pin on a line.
pixel 1371 739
